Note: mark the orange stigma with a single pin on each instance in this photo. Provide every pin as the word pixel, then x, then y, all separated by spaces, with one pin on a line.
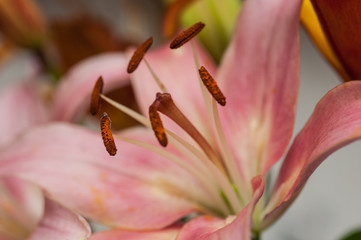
pixel 212 86
pixel 95 97
pixel 107 135
pixel 139 54
pixel 187 35
pixel 157 125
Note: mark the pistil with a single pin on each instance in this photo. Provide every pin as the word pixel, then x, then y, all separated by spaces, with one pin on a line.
pixel 198 159
pixel 164 104
pixel 213 162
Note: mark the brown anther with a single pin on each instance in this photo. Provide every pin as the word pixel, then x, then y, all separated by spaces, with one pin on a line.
pixel 212 86
pixel 157 124
pixel 139 54
pixel 187 35
pixel 95 97
pixel 107 135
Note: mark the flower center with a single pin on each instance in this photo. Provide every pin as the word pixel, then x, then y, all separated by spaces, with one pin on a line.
pixel 212 163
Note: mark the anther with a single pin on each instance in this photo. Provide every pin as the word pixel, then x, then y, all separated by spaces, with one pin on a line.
pixel 212 86
pixel 139 54
pixel 107 135
pixel 157 124
pixel 187 35
pixel 95 97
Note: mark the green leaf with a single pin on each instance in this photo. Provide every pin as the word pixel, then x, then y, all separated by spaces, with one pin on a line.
pixel 354 235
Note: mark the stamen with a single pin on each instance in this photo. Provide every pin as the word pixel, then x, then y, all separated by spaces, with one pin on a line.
pixel 205 95
pixel 219 175
pixel 187 35
pixel 157 125
pixel 95 97
pixel 139 54
pixel 212 86
pixel 107 135
pixel 155 77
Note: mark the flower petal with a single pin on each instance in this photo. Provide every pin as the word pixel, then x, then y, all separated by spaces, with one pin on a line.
pixel 117 234
pixel 73 93
pixel 58 223
pixel 178 72
pixel 135 189
pixel 22 108
pixel 21 208
pixel 207 227
pixel 341 22
pixel 335 122
pixel 259 74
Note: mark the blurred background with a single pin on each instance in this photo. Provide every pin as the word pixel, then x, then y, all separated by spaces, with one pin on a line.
pixel 329 205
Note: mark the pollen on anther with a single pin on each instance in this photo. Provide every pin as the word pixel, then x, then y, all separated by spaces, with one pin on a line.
pixel 107 135
pixel 95 97
pixel 139 54
pixel 212 86
pixel 187 35
pixel 157 126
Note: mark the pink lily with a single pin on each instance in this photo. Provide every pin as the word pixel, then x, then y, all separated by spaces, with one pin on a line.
pixel 144 194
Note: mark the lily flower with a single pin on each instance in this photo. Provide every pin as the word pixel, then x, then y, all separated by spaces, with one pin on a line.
pixel 209 181
pixel 334 27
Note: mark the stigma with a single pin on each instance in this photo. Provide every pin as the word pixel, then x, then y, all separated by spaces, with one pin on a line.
pixel 208 155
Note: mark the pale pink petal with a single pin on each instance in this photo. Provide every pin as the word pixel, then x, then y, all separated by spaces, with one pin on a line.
pixel 207 227
pixel 21 108
pixel 58 223
pixel 135 189
pixel 21 207
pixel 335 122
pixel 73 94
pixel 259 77
pixel 117 234
pixel 178 71
pixel 22 200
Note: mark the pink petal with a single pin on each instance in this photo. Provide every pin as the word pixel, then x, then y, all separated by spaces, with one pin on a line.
pixel 207 227
pixel 259 77
pixel 21 207
pixel 73 93
pixel 335 122
pixel 117 234
pixel 136 189
pixel 22 108
pixel 178 72
pixel 58 223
